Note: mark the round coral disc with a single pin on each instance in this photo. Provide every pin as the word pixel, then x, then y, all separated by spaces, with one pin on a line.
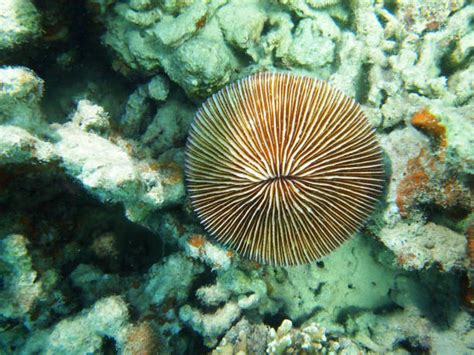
pixel 282 168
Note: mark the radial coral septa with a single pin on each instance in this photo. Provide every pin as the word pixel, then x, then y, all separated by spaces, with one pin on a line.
pixel 282 168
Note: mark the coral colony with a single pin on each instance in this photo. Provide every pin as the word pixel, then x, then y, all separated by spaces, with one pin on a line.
pixel 236 177
pixel 282 168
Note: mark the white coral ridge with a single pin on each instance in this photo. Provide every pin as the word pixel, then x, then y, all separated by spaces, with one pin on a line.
pixel 106 169
pixel 213 325
pixel 100 165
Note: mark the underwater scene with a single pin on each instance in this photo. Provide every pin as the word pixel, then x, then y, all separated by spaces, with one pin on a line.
pixel 236 177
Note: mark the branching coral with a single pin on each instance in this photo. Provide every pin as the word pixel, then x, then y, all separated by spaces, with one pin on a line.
pixel 249 338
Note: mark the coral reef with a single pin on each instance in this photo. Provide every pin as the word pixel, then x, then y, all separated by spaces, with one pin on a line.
pixel 234 292
pixel 185 42
pixel 104 168
pixel 100 251
pixel 85 332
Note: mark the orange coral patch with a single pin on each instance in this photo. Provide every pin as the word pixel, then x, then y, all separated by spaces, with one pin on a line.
pixel 426 121
pixel 197 240
pixel 427 180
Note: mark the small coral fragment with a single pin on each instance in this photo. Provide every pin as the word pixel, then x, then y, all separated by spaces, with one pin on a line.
pixel 91 118
pixel 198 247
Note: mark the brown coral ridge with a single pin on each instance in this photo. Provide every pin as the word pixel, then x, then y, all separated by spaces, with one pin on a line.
pixel 282 168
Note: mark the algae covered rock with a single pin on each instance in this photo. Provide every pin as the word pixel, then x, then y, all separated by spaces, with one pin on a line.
pixel 420 246
pixel 181 40
pixel 19 23
pixel 313 45
pixel 85 332
pixel 242 23
pixel 19 146
pixel 20 94
pixel 202 66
